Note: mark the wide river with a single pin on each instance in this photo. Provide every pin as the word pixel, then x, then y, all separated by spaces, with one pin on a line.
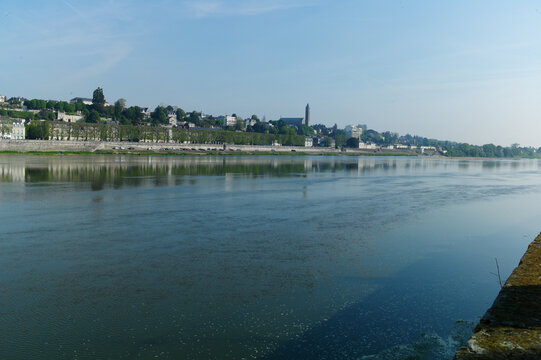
pixel 266 257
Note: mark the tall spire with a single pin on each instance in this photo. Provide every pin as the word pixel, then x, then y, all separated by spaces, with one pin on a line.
pixel 307 115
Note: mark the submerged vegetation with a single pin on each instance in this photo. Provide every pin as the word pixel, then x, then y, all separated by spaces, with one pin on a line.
pixel 429 346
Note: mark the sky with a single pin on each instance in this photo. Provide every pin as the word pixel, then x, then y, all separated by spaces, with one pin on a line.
pixel 461 70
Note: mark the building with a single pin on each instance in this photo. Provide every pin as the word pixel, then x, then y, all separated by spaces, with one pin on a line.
pixel 353 131
pixel 428 149
pixel 12 129
pixel 62 116
pixel 308 142
pixel 3 98
pixel 230 120
pixel 145 111
pixel 293 121
pixel 172 118
pixel 18 131
pixel 249 122
pixel 367 146
pixel 85 101
pixel 16 100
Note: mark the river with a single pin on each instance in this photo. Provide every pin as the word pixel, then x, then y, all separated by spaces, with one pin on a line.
pixel 254 257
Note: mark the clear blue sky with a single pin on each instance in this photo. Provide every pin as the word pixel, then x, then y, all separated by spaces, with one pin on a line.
pixel 464 70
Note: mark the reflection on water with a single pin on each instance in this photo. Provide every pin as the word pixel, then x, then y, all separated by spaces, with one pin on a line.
pixel 254 257
pixel 102 171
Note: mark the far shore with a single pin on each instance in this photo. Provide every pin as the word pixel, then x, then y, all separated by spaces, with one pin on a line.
pixel 56 147
pixel 145 148
pixel 200 153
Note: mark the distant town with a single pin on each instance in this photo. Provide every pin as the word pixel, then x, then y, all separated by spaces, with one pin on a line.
pixel 94 119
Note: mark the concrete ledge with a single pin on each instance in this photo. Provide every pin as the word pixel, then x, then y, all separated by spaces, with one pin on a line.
pixel 511 328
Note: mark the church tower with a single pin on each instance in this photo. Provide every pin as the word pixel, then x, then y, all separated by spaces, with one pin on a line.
pixel 307 115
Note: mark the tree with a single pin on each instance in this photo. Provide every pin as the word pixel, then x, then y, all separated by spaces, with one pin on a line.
pixel 93 117
pixel 6 126
pixel 180 114
pixel 305 130
pixel 195 118
pixel 159 116
pixel 98 99
pixel 239 125
pixel 120 104
pixel 352 143
pixel 339 137
pixel 38 130
pixel 46 115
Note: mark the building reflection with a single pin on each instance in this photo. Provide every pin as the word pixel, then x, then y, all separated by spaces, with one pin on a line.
pixel 102 171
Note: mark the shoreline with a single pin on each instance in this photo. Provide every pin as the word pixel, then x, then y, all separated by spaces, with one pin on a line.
pixel 61 147
pixel 52 147
pixel 198 153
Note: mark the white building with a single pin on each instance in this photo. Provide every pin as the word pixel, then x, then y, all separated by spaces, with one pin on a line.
pixel 12 129
pixel 427 148
pixel 85 101
pixel 367 146
pixel 3 98
pixel 230 120
pixel 62 116
pixel 249 122
pixel 145 111
pixel 353 131
pixel 308 142
pixel 172 118
pixel 18 131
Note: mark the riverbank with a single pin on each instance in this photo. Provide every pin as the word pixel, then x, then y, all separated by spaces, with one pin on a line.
pixel 511 328
pixel 134 148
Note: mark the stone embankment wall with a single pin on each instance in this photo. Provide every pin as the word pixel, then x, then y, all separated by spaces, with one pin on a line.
pixel 47 145
pixel 91 146
pixel 62 145
pixel 263 148
pixel 511 328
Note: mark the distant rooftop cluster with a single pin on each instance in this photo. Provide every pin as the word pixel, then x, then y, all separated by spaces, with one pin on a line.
pixel 297 131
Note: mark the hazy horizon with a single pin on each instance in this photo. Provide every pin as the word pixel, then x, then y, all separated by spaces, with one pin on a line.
pixel 461 71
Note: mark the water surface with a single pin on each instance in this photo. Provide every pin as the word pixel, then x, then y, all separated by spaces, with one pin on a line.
pixel 252 257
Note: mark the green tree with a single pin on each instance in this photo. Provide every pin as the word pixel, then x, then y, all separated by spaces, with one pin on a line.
pixel 239 124
pixel 352 143
pixel 120 104
pixel 93 117
pixel 98 99
pixel 305 130
pixel 6 125
pixel 195 118
pixel 159 116
pixel 38 130
pixel 180 114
